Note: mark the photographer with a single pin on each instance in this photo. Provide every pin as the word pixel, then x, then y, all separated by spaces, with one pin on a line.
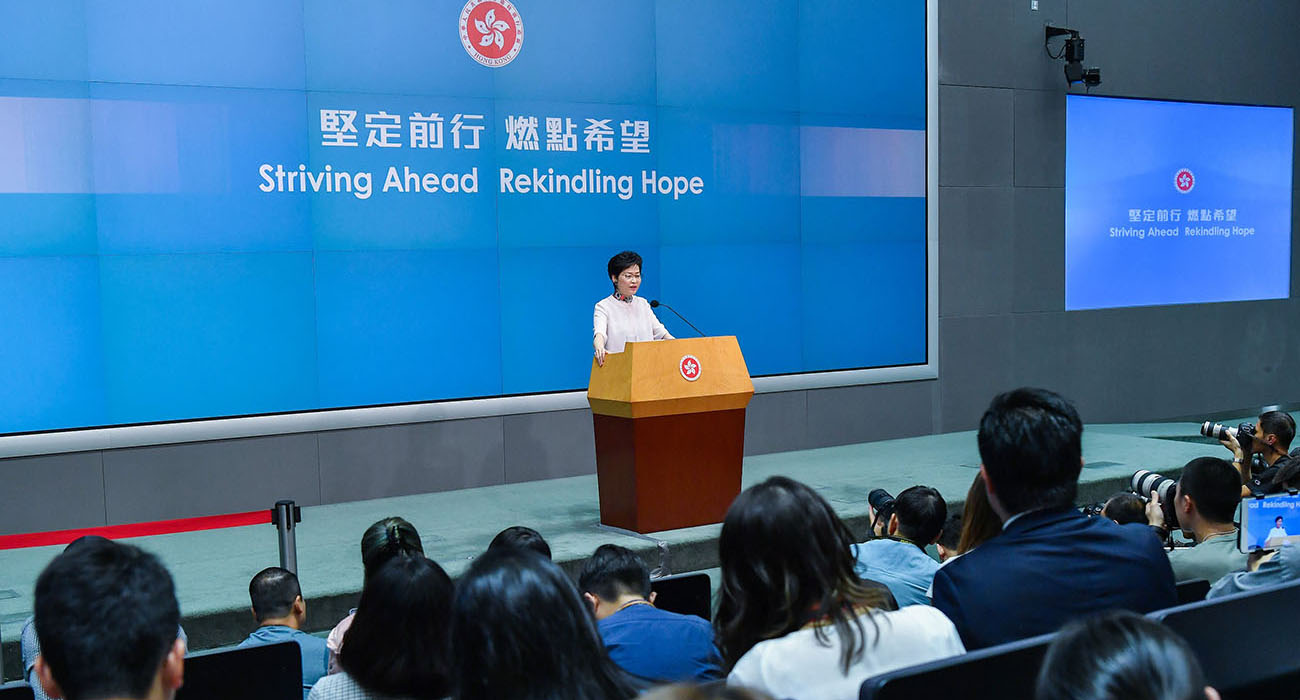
pixel 1271 439
pixel 898 559
pixel 1205 502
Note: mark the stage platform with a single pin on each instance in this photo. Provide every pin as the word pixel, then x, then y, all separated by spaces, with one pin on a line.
pixel 212 568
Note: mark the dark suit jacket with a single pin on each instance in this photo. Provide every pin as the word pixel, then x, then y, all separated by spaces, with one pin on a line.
pixel 1047 568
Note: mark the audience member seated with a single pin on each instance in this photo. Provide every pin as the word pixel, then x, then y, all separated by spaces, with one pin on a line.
pixel 521 631
pixel 30 644
pixel 706 691
pixel 397 644
pixel 898 560
pixel 979 523
pixel 1051 563
pixel 949 538
pixel 1205 500
pixel 382 541
pixel 1274 432
pixel 793 618
pixel 655 646
pixel 1265 570
pixel 107 617
pixel 1125 508
pixel 280 612
pixel 520 536
pixel 1120 656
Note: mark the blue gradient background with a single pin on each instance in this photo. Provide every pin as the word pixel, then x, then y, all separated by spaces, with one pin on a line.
pixel 144 277
pixel 1122 154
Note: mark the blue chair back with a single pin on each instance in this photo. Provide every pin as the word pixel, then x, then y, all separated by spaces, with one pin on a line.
pixel 16 690
pixel 1192 591
pixel 267 672
pixel 1245 642
pixel 1004 671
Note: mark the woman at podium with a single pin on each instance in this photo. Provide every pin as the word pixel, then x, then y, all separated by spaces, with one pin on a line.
pixel 623 317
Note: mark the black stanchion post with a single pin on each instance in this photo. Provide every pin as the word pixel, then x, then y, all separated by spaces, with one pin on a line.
pixel 285 516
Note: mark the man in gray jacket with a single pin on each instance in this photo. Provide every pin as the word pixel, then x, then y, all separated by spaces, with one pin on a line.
pixel 1205 500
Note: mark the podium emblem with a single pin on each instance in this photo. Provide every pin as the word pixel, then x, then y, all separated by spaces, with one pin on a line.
pixel 689 367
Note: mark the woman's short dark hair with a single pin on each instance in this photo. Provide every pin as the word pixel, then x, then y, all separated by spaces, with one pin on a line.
pixel 1125 507
pixel 786 559
pixel 522 631
pixel 398 642
pixel 520 536
pixel 623 261
pixel 386 539
pixel 1119 656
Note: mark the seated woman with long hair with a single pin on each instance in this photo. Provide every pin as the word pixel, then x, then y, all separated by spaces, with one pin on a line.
pixel 979 523
pixel 397 644
pixel 521 631
pixel 385 539
pixel 793 619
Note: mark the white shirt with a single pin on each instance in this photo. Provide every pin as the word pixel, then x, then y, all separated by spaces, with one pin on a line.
pixel 623 322
pixel 797 666
pixel 1276 532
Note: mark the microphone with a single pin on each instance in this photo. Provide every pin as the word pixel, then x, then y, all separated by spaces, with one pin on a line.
pixel 654 304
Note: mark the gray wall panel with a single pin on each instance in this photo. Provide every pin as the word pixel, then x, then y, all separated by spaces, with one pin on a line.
pixel 417 458
pixel 975 46
pixel 1038 249
pixel 975 136
pixel 548 445
pixel 209 478
pixel 1040 138
pixel 776 422
pixel 1038 358
pixel 1204 50
pixel 54 492
pixel 851 414
pixel 1032 72
pixel 975 355
pixel 976 258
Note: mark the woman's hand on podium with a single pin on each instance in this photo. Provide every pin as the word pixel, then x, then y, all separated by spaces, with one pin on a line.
pixel 599 344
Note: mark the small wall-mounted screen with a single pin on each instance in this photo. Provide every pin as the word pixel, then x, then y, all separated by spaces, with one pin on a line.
pixel 1175 202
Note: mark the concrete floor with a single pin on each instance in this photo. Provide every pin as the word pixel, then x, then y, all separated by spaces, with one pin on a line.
pixel 212 568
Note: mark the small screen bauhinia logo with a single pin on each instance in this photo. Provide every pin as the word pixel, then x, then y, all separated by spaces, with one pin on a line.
pixel 491 31
pixel 1184 180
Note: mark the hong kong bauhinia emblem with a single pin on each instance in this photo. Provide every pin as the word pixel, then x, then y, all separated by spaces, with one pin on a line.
pixel 689 366
pixel 491 31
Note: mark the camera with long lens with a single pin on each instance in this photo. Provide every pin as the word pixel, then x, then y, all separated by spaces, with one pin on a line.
pixel 883 504
pixel 1219 431
pixel 1145 481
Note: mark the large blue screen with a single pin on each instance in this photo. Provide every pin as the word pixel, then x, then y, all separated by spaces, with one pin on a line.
pixel 1175 202
pixel 259 206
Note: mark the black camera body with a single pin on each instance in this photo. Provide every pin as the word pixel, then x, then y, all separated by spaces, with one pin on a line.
pixel 1093 510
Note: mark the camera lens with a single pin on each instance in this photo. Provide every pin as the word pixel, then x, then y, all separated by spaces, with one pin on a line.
pixel 1218 431
pixel 880 500
pixel 1145 481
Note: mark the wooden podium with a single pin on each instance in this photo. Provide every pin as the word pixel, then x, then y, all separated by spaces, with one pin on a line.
pixel 670 432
